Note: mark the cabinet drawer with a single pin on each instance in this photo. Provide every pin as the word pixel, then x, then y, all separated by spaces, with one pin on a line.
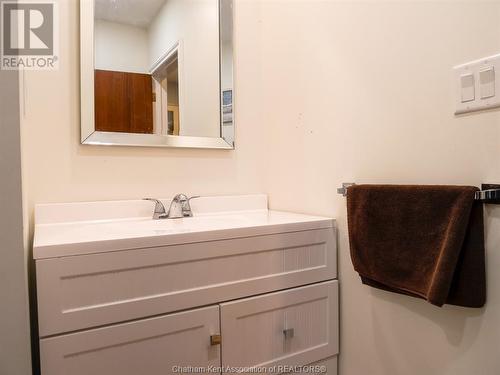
pixel 151 346
pixel 290 328
pixel 79 292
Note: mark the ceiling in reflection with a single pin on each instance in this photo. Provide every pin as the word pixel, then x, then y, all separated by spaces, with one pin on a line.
pixel 137 13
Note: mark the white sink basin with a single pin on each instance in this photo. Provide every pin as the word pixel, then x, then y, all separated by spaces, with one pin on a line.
pixel 83 228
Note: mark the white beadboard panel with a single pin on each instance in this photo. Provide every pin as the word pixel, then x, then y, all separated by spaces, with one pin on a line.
pixel 150 346
pixel 173 275
pixel 252 328
pixel 91 290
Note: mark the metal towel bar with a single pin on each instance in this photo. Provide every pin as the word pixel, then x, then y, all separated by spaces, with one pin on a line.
pixel 489 193
pixel 343 190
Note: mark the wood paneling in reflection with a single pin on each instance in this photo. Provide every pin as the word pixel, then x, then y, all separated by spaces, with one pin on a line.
pixel 123 102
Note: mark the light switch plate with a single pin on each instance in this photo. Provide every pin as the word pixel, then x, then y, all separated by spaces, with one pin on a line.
pixel 477 86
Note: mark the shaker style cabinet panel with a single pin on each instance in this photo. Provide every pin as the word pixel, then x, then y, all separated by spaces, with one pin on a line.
pixel 290 328
pixel 150 346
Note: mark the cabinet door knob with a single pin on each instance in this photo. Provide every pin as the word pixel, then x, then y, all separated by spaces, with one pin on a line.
pixel 289 332
pixel 215 339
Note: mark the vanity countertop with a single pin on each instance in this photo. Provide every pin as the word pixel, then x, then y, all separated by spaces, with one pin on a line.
pixel 69 229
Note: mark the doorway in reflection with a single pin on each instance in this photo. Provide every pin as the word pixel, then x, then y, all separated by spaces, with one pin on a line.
pixel 166 108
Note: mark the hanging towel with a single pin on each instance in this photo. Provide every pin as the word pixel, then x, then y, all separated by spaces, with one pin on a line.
pixel 422 241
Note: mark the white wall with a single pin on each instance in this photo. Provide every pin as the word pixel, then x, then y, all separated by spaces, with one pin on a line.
pixel 194 23
pixel 362 92
pixel 327 91
pixel 14 321
pixel 121 47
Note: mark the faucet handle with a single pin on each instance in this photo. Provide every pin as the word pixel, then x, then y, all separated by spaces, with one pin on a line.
pixel 157 201
pixel 184 198
pixel 159 212
pixel 185 206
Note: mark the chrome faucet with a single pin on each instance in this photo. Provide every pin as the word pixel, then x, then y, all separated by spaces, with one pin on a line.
pixel 179 207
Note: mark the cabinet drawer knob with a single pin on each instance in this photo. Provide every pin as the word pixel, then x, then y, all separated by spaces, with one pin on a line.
pixel 215 339
pixel 289 333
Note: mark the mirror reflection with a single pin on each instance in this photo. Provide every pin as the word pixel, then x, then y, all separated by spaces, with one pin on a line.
pixel 163 67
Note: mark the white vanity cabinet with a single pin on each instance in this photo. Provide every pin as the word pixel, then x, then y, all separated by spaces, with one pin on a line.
pixel 219 292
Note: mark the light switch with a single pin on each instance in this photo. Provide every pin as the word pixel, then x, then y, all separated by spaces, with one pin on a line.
pixel 487 82
pixel 476 85
pixel 467 87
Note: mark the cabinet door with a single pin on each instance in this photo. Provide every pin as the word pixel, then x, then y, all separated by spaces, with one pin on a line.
pixel 151 346
pixel 295 327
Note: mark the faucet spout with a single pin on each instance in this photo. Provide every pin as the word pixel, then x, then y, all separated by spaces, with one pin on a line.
pixel 180 207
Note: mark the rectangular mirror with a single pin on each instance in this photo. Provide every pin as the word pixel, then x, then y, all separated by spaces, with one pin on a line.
pixel 157 73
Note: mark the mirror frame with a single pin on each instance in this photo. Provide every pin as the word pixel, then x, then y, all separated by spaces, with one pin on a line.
pixel 89 136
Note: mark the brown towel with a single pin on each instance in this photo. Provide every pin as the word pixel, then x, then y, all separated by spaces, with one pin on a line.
pixel 423 241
